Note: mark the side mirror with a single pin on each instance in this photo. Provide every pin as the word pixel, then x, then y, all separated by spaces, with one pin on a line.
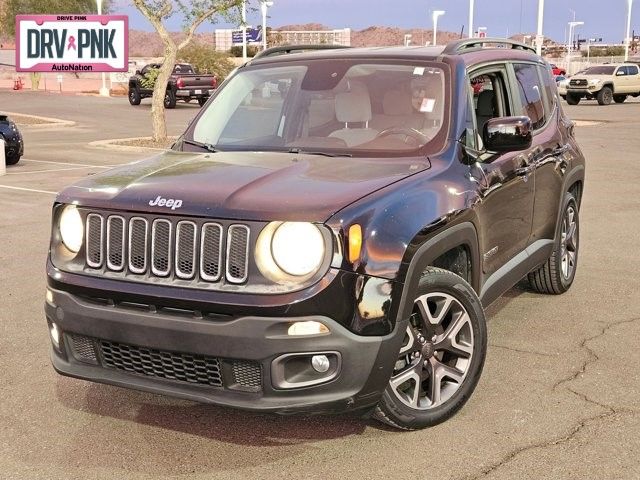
pixel 620 73
pixel 507 134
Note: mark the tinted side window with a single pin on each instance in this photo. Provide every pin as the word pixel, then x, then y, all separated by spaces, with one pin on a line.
pixel 621 71
pixel 549 96
pixel 632 70
pixel 530 93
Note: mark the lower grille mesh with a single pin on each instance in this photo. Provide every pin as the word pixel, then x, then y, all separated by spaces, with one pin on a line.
pixel 158 363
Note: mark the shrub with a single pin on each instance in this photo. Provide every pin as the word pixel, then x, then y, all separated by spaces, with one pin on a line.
pixel 205 59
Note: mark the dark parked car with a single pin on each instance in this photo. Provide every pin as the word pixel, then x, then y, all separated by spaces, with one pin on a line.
pixel 13 143
pixel 184 84
pixel 325 235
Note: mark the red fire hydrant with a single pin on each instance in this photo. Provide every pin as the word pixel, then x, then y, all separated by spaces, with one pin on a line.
pixel 18 84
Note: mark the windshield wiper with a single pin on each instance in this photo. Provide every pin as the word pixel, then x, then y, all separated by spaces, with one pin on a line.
pixel 324 154
pixel 204 146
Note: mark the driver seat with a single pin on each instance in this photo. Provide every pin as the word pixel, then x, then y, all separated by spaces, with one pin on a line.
pixel 352 107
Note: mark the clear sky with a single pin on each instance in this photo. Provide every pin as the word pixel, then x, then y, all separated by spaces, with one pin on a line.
pixel 603 18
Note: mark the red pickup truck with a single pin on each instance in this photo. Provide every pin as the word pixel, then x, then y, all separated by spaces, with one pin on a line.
pixel 184 84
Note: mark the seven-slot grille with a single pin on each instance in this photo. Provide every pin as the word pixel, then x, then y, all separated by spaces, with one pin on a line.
pixel 165 247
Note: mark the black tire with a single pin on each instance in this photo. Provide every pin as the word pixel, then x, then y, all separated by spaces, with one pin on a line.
pixel 12 159
pixel 398 414
pixel 564 97
pixel 552 278
pixel 202 100
pixel 572 99
pixel 170 99
pixel 187 100
pixel 605 96
pixel 619 98
pixel 134 96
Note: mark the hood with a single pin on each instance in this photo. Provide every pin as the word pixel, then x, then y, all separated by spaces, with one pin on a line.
pixel 240 185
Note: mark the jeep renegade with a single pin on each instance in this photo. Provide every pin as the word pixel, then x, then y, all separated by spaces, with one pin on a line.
pixel 325 234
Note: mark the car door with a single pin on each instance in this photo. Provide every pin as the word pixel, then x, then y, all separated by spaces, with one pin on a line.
pixel 546 159
pixel 506 193
pixel 633 79
pixel 621 80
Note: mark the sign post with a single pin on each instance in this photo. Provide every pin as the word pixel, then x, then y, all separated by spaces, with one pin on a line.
pixel 3 162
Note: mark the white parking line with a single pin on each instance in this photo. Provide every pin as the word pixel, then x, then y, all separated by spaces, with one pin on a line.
pixel 49 170
pixel 28 189
pixel 72 164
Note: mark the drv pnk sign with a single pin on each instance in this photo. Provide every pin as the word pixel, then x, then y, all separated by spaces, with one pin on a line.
pixel 72 43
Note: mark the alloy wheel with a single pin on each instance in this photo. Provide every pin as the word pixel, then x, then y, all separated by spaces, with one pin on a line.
pixel 569 242
pixel 436 353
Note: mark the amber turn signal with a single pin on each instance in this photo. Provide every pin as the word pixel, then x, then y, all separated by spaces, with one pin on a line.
pixel 355 242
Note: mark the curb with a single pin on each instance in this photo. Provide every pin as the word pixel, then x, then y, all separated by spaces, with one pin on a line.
pixel 52 122
pixel 112 144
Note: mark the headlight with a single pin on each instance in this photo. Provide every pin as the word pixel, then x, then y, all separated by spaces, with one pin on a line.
pixel 595 81
pixel 290 252
pixel 71 228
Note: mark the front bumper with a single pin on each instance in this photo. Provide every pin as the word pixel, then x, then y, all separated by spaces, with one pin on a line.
pixel 14 145
pixel 364 369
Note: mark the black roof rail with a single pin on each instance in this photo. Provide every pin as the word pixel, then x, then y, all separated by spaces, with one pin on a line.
pixel 286 49
pixel 471 44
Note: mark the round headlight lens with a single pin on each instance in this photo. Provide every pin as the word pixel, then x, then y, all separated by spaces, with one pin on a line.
pixel 298 248
pixel 71 229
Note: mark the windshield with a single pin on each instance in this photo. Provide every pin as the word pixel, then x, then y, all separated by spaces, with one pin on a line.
pixel 338 106
pixel 602 70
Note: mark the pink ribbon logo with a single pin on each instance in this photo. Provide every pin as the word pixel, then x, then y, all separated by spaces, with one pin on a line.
pixel 72 43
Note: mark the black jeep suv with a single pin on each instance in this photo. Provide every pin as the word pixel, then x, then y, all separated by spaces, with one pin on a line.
pixel 325 234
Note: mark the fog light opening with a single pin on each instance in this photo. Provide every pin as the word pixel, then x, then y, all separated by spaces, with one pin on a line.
pixel 320 363
pixel 54 332
pixel 307 328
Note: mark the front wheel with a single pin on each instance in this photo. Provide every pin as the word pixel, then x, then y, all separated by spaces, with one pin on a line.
pixel 573 99
pixel 605 96
pixel 619 98
pixel 442 355
pixel 134 96
pixel 12 159
pixel 556 275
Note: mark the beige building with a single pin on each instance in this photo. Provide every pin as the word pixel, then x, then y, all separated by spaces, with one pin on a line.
pixel 223 38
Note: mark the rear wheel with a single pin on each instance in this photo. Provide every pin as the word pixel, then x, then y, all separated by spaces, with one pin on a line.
pixel 557 274
pixel 202 101
pixel 605 96
pixel 170 99
pixel 573 99
pixel 134 96
pixel 619 98
pixel 441 359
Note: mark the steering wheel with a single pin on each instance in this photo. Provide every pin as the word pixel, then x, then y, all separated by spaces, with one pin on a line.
pixel 417 135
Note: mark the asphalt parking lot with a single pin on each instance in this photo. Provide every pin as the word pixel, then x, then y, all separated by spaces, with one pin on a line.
pixel 559 397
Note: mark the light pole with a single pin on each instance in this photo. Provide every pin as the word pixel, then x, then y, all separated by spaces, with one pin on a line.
pixel 572 26
pixel 263 7
pixel 539 36
pixel 104 91
pixel 471 8
pixel 436 14
pixel 627 39
pixel 244 31
pixel 407 39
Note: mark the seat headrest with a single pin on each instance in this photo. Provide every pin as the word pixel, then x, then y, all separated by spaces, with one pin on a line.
pixel 397 102
pixel 486 103
pixel 353 106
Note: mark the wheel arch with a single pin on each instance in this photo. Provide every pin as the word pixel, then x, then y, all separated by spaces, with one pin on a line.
pixel 460 236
